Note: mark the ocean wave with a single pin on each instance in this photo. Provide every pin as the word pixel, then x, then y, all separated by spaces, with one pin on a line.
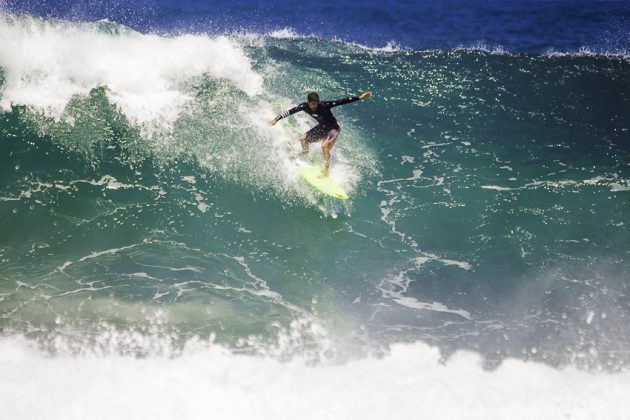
pixel 290 33
pixel 482 46
pixel 176 90
pixel 394 46
pixel 45 63
pixel 589 52
pixel 134 173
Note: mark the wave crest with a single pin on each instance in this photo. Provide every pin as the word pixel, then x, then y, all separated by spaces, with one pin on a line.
pixel 149 77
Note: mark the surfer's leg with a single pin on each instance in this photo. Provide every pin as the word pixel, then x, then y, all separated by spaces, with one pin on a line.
pixel 326 151
pixel 327 145
pixel 304 145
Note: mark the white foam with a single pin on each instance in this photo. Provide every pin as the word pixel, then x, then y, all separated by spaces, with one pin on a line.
pixel 406 159
pixel 497 188
pixel 615 187
pixel 409 382
pixel 290 33
pixel 589 52
pixel 622 185
pixel 396 286
pixel 414 303
pixel 285 33
pixel 390 47
pixel 148 76
pixel 416 174
pixel 97 254
pixel 461 264
pixel 483 47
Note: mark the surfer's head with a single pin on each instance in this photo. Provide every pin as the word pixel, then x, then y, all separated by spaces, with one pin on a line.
pixel 313 100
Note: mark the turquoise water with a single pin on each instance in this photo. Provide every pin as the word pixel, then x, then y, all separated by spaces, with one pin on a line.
pixel 147 207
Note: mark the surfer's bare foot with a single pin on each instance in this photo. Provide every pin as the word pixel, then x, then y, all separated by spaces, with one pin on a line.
pixel 324 174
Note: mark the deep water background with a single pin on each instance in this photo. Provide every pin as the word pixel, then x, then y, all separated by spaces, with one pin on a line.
pixel 517 26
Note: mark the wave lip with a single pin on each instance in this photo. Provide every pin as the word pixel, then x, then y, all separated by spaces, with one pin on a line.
pixel 589 52
pixel 46 63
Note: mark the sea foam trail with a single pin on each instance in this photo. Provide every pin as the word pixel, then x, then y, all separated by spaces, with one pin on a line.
pixel 409 382
pixel 46 63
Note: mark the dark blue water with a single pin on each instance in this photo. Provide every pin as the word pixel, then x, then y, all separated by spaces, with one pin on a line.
pixel 517 26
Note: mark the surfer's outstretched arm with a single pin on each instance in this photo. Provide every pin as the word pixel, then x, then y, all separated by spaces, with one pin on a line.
pixel 364 95
pixel 288 112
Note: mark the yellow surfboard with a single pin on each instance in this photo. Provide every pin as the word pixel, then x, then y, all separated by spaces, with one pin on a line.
pixel 327 185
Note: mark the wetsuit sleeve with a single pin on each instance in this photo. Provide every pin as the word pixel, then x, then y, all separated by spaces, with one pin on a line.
pixel 291 111
pixel 343 101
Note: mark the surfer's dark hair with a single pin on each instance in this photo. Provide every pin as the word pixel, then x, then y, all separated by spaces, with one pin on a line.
pixel 313 97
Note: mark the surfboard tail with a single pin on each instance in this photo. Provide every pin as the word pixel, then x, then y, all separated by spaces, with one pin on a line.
pixel 327 185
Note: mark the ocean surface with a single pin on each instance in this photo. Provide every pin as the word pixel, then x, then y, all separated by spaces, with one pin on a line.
pixel 161 258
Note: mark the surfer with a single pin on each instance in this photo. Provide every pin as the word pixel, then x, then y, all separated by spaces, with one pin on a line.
pixel 327 130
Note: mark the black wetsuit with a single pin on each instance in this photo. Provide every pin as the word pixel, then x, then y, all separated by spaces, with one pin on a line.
pixel 328 127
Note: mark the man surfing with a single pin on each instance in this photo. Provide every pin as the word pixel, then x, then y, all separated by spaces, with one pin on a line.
pixel 327 130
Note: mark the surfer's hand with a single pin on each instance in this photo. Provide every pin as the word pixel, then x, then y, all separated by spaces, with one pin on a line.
pixel 272 122
pixel 365 95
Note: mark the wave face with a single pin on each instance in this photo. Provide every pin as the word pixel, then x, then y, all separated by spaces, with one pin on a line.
pixel 153 222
